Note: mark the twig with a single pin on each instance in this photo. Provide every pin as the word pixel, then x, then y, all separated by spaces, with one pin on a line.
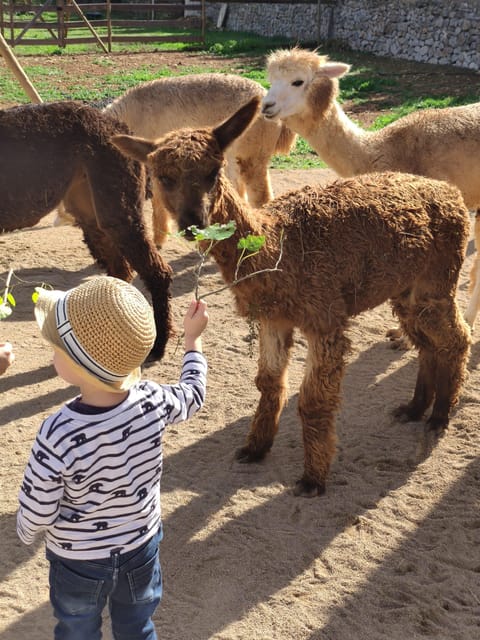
pixel 7 284
pixel 250 275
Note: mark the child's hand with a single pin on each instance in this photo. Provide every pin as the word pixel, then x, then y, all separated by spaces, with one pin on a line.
pixel 6 356
pixel 194 323
pixel 196 319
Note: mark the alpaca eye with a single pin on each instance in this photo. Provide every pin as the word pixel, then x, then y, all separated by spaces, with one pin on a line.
pixel 297 83
pixel 166 182
pixel 212 176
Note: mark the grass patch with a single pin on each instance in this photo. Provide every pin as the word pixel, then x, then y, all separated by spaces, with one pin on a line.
pixel 302 156
pixel 409 106
pixel 381 84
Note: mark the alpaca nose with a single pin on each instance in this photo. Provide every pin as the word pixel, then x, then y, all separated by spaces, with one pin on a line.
pixel 267 106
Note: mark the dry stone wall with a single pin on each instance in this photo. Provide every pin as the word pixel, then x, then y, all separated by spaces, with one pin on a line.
pixel 434 31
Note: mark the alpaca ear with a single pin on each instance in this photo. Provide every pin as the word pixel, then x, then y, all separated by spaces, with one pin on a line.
pixel 334 69
pixel 232 128
pixel 133 147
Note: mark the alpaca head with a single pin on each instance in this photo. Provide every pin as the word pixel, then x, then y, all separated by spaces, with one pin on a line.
pixel 301 81
pixel 185 164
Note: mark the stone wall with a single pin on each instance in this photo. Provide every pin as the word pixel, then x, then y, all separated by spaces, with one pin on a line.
pixel 434 31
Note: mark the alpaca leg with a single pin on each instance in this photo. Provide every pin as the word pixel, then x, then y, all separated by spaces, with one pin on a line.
pixel 105 253
pixel 62 217
pixel 318 402
pixel 78 202
pixel 161 220
pixel 452 359
pixel 271 380
pixel 443 339
pixel 134 247
pixel 255 175
pixel 474 288
pixel 424 390
pixel 233 174
pixel 119 216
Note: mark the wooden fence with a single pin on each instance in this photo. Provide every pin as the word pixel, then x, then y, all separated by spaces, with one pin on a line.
pixel 63 22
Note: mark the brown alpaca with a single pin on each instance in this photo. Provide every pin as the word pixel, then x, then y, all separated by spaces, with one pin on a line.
pixel 438 143
pixel 344 248
pixel 62 151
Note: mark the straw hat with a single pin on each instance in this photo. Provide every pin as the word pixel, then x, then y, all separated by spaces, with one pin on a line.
pixel 104 326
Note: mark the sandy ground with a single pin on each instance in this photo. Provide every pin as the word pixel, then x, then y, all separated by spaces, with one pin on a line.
pixel 392 551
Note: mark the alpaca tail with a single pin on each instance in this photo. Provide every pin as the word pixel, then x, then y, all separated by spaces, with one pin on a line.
pixel 286 140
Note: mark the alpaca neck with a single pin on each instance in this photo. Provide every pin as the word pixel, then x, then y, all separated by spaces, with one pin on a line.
pixel 344 146
pixel 227 206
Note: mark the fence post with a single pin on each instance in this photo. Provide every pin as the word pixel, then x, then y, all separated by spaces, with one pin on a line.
pixel 17 70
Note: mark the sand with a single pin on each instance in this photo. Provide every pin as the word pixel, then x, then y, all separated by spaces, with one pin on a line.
pixel 391 552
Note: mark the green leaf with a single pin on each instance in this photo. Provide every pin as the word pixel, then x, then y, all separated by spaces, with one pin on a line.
pixel 215 231
pixel 250 243
pixel 11 300
pixel 35 296
pixel 5 310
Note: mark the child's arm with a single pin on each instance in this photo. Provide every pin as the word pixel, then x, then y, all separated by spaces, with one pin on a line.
pixel 184 399
pixel 6 356
pixel 40 493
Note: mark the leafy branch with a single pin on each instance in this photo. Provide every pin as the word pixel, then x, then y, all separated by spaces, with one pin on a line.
pixel 248 246
pixel 7 301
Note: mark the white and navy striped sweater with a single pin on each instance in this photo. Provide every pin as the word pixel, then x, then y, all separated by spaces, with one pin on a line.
pixel 93 481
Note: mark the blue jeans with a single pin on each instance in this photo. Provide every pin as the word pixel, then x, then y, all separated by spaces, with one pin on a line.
pixel 130 582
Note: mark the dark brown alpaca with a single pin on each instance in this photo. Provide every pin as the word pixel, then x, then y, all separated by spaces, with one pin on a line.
pixel 62 151
pixel 344 248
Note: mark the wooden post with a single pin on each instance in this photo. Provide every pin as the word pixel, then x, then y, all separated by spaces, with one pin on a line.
pixel 17 70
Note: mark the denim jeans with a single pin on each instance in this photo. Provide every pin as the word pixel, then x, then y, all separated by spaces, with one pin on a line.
pixel 130 582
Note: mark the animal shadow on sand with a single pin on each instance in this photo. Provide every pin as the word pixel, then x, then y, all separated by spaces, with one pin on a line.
pixel 272 527
pixel 425 587
pixel 203 587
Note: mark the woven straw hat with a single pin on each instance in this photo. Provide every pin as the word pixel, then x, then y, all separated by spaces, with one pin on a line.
pixel 104 326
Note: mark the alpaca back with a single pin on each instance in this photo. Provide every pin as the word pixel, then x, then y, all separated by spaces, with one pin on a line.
pixel 154 108
pixel 63 138
pixel 356 243
pixel 438 143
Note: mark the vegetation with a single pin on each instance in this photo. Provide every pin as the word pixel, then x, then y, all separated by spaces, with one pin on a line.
pixel 373 84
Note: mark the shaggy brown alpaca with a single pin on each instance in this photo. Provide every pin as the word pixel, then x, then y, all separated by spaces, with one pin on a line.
pixel 62 151
pixel 344 248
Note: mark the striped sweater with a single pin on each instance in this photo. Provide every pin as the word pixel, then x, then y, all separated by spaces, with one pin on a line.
pixel 92 481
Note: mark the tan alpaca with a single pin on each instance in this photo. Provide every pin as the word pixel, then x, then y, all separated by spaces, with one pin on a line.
pixel 438 143
pixel 151 109
pixel 62 151
pixel 343 249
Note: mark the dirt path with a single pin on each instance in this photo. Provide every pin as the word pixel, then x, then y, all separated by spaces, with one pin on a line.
pixel 391 551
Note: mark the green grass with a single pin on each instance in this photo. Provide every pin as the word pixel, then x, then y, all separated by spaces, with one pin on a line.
pixel 409 106
pixel 367 81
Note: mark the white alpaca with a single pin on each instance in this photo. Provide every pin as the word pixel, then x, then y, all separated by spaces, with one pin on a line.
pixel 154 108
pixel 437 143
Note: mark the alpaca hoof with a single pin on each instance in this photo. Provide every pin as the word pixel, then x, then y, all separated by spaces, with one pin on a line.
pixel 398 340
pixel 308 488
pixel 437 424
pixel 246 455
pixel 406 413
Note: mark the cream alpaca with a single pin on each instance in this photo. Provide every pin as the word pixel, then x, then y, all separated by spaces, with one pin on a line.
pixel 438 143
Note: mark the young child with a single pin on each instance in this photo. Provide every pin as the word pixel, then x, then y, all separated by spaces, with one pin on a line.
pixel 92 482
pixel 6 356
